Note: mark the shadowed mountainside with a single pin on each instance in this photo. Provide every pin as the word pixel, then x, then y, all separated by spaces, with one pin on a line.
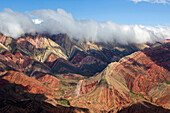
pixel 14 99
pixel 142 107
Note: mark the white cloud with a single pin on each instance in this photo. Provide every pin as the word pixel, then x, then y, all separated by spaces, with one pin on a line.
pixel 153 1
pixel 16 24
pixel 37 21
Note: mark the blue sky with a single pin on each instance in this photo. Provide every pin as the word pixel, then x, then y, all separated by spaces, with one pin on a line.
pixel 119 11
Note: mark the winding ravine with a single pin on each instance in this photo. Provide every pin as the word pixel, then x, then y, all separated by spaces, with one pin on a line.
pixel 78 88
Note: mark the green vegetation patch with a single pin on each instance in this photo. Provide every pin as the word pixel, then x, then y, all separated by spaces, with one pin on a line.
pixel 167 82
pixel 46 83
pixel 133 95
pixel 63 101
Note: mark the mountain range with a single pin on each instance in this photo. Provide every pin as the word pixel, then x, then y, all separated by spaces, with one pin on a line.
pixel 55 73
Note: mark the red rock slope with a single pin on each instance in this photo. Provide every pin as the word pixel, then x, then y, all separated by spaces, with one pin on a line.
pixel 140 76
pixel 30 84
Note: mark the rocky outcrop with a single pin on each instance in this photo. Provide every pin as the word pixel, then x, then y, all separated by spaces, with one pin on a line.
pixel 77 57
pixel 30 84
pixel 88 66
pixel 101 93
pixel 49 80
pixel 64 41
pixel 159 55
pixel 49 61
pixel 140 72
pixel 22 63
pixel 91 65
pixel 17 61
pixel 164 101
pixel 63 66
pixel 5 40
pixel 41 46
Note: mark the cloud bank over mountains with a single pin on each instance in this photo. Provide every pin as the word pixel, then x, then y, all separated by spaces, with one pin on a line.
pixel 15 24
pixel 153 1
